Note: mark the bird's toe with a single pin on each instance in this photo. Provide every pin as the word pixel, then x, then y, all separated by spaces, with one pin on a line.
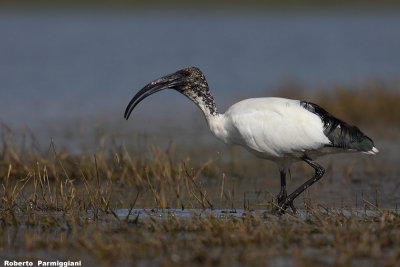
pixel 293 207
pixel 280 207
pixel 288 203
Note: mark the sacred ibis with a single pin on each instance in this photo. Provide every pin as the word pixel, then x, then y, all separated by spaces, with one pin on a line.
pixel 282 130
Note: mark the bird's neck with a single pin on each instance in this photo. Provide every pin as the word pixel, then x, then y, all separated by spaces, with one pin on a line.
pixel 205 101
pixel 216 121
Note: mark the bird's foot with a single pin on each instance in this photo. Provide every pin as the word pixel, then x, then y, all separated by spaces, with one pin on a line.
pixel 287 203
pixel 283 204
pixel 280 200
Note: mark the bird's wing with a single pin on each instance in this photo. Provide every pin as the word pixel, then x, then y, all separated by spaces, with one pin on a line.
pixel 276 127
pixel 341 134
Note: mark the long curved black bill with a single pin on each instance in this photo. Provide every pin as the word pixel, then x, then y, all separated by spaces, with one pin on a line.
pixel 168 81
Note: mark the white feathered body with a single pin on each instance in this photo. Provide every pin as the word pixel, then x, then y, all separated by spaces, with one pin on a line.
pixel 274 128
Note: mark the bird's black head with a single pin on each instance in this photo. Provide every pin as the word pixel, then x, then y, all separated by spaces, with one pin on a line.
pixel 189 81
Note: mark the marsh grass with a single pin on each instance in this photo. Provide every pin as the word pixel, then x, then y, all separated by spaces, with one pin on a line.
pixel 63 206
pixel 58 206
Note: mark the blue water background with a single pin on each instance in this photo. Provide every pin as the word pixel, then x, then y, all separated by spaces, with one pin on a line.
pixel 60 66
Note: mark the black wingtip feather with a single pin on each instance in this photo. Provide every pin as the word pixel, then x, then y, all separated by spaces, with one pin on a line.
pixel 340 133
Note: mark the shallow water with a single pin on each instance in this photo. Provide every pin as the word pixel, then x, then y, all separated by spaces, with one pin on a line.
pixel 138 215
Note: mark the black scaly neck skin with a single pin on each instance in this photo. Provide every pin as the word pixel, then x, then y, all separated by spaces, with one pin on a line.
pixel 197 90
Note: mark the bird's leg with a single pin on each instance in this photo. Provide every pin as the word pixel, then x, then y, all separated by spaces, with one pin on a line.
pixel 281 197
pixel 319 172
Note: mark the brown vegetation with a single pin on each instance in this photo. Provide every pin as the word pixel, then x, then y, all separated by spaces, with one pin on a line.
pixel 60 206
pixel 57 206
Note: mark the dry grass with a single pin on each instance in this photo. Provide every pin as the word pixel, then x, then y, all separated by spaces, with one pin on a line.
pixel 62 206
pixel 58 206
